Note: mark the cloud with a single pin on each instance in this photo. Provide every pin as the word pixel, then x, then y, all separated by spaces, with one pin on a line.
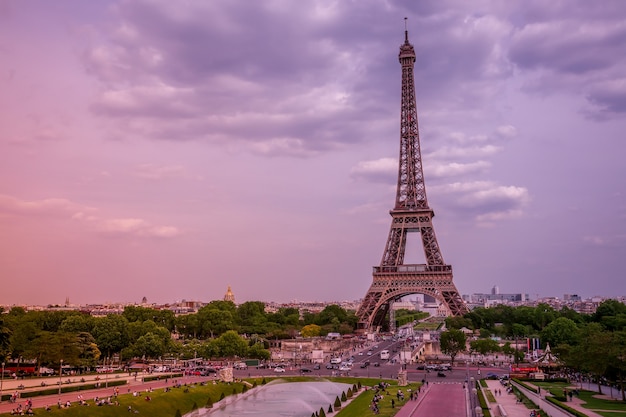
pixel 485 200
pixel 66 209
pixel 49 207
pixel 135 227
pixel 579 50
pixel 156 172
pixel 383 170
pixel 455 169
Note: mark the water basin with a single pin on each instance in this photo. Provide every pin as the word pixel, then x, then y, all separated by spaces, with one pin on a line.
pixel 278 398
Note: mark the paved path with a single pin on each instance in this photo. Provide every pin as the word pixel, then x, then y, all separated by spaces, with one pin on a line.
pixel 437 400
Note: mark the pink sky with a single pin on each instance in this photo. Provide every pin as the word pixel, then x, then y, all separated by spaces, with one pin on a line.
pixel 170 149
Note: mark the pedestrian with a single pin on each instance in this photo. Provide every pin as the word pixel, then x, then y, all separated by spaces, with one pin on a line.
pixel 393 403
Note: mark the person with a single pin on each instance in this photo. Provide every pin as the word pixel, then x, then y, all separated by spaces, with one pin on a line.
pixel 393 403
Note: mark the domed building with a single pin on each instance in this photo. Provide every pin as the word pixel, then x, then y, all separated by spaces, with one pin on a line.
pixel 229 296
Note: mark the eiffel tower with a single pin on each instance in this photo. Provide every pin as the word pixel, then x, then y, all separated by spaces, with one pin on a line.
pixel 394 279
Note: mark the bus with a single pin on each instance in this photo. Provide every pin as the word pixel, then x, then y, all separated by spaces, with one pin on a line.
pixel 384 354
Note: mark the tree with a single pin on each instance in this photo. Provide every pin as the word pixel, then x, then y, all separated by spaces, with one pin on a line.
pixel 78 323
pixel 88 350
pixel 311 330
pixel 232 345
pixel 619 358
pixel 214 321
pixel 484 346
pixel 111 334
pixel 258 351
pixel 5 337
pixel 561 330
pixel 593 352
pixel 452 342
pixel 149 345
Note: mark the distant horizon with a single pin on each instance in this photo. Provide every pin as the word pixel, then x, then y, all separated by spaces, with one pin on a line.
pixel 149 302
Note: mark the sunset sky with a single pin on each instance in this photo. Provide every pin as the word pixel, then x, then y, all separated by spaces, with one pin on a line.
pixel 168 149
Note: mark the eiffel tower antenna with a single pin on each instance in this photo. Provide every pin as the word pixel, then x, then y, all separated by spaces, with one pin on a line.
pixel 393 279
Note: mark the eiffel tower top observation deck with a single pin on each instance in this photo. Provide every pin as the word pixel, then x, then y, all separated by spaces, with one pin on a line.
pixel 393 279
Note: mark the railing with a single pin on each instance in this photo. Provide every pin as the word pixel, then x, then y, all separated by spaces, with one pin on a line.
pixel 412 268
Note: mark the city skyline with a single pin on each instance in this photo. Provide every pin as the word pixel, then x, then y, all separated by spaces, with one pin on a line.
pixel 169 150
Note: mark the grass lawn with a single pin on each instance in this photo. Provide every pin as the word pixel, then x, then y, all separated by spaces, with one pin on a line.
pixel 618 408
pixel 426 326
pixel 162 403
pixel 185 399
pixel 360 406
pixel 613 408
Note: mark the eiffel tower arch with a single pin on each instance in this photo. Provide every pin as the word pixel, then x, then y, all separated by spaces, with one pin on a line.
pixel 393 279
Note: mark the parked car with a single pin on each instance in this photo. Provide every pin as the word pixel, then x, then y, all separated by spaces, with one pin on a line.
pixel 279 369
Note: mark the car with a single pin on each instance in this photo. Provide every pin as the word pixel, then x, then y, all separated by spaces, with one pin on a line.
pixel 360 353
pixel 420 367
pixel 317 366
pixel 491 375
pixel 345 368
pixel 376 364
pixel 279 369
pixel 369 353
pixel 365 364
pixel 441 374
pixel 306 370
pixel 329 366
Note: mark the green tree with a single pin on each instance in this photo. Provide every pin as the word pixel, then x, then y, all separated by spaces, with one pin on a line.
pixel 232 345
pixel 560 330
pixel 452 342
pixel 618 359
pixel 88 352
pixel 484 346
pixel 78 323
pixel 311 330
pixel 111 334
pixel 188 326
pixel 593 352
pixel 149 345
pixel 215 320
pixel 5 337
pixel 258 351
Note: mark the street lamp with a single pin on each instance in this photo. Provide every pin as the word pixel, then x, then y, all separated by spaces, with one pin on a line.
pixel 60 374
pixel 1 381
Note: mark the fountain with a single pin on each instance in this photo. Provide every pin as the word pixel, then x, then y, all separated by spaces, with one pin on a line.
pixel 278 398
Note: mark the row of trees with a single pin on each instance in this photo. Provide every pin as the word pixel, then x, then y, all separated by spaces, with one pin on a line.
pixel 218 330
pixel 592 344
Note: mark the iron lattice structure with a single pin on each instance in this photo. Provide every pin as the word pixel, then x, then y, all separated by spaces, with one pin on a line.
pixel 393 279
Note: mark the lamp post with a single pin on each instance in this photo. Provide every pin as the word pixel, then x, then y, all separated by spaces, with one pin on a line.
pixel 1 381
pixel 60 374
